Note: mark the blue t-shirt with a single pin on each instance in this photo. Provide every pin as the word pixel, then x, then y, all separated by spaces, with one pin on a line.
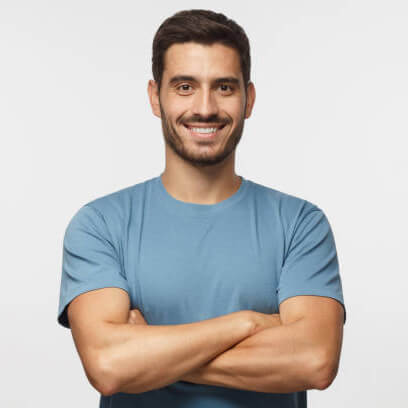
pixel 183 262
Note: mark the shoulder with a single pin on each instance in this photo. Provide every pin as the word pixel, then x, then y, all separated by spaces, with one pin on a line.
pixel 289 208
pixel 118 202
pixel 111 212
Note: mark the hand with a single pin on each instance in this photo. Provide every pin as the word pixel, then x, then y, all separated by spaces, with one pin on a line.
pixel 264 321
pixel 136 317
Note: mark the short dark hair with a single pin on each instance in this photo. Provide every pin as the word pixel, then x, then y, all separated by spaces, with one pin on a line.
pixel 203 27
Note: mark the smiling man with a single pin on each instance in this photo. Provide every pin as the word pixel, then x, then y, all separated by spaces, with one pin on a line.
pixel 203 103
pixel 200 287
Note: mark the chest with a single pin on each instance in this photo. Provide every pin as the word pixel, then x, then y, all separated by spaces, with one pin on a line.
pixel 185 270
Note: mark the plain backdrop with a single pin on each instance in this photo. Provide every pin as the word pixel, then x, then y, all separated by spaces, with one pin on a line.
pixel 329 125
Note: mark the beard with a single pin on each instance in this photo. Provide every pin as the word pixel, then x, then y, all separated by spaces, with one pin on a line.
pixel 200 157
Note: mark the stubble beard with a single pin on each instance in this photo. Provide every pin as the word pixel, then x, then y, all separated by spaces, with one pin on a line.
pixel 204 159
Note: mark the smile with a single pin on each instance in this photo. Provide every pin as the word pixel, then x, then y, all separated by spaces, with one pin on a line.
pixel 206 132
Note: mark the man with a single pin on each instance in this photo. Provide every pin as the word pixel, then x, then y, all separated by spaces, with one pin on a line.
pixel 199 287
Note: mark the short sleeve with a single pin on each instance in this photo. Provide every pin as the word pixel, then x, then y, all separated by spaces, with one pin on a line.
pixel 311 264
pixel 89 261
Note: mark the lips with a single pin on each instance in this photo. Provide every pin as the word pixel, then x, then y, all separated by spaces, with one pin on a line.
pixel 204 135
pixel 219 127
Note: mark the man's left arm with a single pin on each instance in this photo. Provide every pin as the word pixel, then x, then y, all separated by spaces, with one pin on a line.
pixel 302 352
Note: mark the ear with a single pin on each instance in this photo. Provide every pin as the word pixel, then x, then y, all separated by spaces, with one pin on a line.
pixel 250 99
pixel 152 90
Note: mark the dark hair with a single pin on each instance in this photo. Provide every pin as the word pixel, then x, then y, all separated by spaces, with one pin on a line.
pixel 203 27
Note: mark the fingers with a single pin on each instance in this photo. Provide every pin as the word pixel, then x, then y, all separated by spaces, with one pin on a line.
pixel 136 317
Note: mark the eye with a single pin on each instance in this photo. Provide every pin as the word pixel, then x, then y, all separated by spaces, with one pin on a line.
pixel 184 87
pixel 226 88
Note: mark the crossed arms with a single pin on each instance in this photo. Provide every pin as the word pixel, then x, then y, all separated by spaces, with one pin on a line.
pixel 299 350
pixel 299 353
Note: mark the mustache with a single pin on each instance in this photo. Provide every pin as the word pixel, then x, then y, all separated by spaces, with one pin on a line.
pixel 211 119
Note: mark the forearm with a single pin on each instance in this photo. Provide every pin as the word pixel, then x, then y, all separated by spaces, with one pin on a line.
pixel 146 357
pixel 275 360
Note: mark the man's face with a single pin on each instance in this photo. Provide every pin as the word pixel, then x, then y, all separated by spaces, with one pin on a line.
pixel 202 87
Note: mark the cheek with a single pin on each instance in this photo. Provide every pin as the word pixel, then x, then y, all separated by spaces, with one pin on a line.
pixel 234 107
pixel 176 112
pixel 173 117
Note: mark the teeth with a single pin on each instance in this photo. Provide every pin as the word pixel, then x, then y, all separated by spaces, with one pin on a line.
pixel 203 130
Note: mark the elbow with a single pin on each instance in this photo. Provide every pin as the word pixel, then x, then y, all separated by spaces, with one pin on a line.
pixel 106 391
pixel 102 378
pixel 324 372
pixel 109 379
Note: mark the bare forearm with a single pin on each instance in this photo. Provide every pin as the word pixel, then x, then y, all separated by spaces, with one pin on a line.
pixel 146 357
pixel 275 360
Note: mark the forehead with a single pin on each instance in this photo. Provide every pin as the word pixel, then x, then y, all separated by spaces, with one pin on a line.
pixel 216 60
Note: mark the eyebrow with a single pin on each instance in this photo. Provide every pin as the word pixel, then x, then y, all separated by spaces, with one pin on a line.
pixel 179 78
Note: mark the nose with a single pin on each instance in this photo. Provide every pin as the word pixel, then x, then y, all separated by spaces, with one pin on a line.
pixel 205 103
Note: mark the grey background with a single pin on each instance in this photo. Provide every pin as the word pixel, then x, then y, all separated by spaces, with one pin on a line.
pixel 329 125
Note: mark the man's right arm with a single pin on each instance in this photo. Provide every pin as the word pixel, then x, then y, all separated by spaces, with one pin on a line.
pixel 122 357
